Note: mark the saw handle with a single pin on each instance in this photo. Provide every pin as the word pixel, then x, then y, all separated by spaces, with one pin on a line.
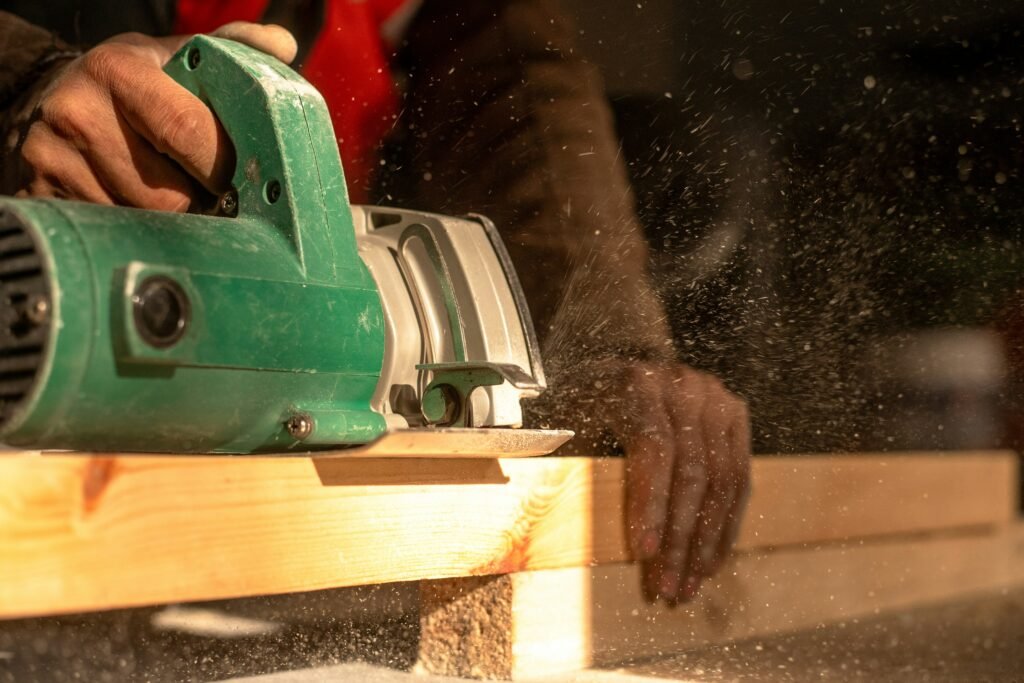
pixel 288 171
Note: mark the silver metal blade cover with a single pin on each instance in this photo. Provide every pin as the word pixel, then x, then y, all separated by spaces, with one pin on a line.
pixel 460 345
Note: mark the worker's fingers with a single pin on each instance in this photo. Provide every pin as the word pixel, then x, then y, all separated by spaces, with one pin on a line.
pixel 186 131
pixel 140 176
pixel 58 169
pixel 739 443
pixel 720 412
pixel 130 169
pixel 689 486
pixel 121 81
pixel 156 49
pixel 82 115
pixel 650 454
pixel 272 39
pixel 687 440
pixel 135 126
pixel 171 119
pixel 676 582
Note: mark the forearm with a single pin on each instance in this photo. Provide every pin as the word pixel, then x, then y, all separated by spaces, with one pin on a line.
pixel 502 118
pixel 605 304
pixel 30 58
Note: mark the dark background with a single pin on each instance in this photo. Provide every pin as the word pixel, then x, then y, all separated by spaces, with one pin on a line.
pixel 834 195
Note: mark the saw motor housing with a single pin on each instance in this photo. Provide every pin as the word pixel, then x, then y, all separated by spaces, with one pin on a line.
pixel 290 318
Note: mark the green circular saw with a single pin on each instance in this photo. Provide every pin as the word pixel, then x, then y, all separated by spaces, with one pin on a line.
pixel 289 321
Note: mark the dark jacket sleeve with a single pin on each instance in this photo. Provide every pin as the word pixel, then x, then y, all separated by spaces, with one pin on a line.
pixel 501 116
pixel 30 57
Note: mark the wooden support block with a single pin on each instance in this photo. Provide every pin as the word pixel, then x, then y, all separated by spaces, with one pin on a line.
pixel 80 532
pixel 488 627
pixel 466 627
pixel 551 621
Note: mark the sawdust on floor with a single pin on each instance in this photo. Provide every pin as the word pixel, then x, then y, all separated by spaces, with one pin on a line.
pixel 981 639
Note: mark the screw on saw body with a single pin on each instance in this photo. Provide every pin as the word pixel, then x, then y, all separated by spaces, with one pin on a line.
pixel 273 191
pixel 29 315
pixel 38 309
pixel 193 59
pixel 228 204
pixel 299 426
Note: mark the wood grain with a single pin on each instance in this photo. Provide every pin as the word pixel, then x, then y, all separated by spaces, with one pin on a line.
pixel 814 498
pixel 84 532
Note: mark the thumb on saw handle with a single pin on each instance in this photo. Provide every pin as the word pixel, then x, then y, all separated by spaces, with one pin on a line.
pixel 270 39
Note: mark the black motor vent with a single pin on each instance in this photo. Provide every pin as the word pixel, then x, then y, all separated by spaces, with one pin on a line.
pixel 25 308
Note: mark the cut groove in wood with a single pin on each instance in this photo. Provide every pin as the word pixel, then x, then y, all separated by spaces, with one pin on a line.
pixel 97 532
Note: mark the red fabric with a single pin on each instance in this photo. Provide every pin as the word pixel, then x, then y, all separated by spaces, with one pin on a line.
pixel 349 67
pixel 203 16
pixel 385 9
pixel 347 64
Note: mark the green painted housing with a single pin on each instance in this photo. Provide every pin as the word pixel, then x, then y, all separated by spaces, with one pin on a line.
pixel 283 318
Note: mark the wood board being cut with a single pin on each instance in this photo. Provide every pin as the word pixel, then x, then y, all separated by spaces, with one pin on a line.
pixel 81 532
pixel 540 623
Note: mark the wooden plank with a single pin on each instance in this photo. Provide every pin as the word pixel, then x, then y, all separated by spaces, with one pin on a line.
pixel 80 533
pixel 768 592
pixel 559 620
pixel 814 498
